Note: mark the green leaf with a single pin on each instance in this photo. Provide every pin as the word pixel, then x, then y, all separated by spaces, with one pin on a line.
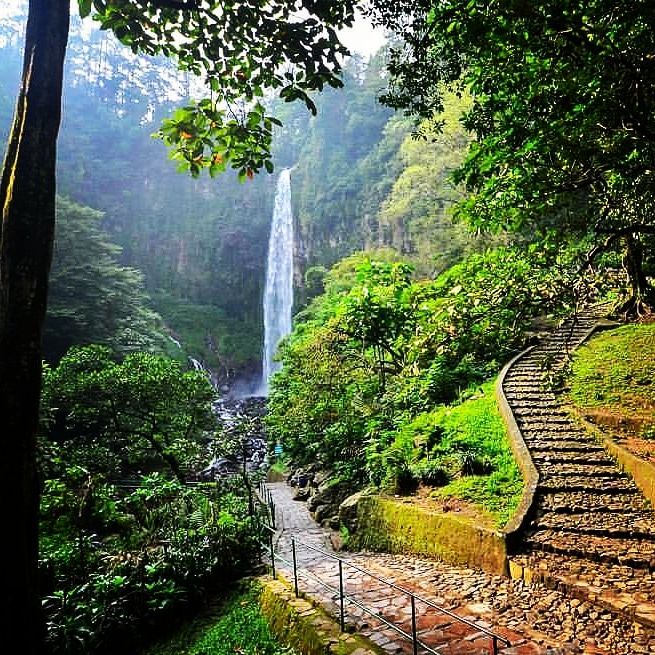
pixel 85 7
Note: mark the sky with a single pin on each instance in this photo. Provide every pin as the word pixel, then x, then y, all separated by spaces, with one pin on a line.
pixel 362 38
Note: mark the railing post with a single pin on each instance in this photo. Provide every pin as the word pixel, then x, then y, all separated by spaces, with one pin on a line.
pixel 270 536
pixel 342 619
pixel 414 639
pixel 295 566
pixel 494 645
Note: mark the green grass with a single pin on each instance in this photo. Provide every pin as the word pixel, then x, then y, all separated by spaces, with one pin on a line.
pixel 614 374
pixel 236 627
pixel 476 426
pixel 279 466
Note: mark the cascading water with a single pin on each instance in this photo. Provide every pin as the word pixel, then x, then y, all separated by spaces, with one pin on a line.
pixel 278 293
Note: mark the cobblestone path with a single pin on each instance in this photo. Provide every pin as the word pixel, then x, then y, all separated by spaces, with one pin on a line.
pixel 536 620
pixel 593 534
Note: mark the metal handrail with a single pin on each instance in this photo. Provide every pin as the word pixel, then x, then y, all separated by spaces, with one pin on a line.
pixel 495 638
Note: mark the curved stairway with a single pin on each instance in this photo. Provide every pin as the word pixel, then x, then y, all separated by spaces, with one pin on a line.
pixel 592 533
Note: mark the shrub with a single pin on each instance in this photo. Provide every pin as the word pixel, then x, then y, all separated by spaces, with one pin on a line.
pixel 431 473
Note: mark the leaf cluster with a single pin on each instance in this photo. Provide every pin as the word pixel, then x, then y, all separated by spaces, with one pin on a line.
pixel 117 563
pixel 239 49
pixel 563 110
pixel 116 417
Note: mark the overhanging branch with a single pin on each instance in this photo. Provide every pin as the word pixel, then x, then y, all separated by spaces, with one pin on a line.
pixel 614 235
pixel 183 5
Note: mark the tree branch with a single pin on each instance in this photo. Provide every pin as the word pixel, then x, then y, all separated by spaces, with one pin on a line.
pixel 184 5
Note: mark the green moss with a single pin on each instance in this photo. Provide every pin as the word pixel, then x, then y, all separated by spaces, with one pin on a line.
pixel 394 526
pixel 306 627
pixel 614 373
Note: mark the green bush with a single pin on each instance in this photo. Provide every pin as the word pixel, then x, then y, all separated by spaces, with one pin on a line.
pixel 375 361
pixel 237 626
pixel 119 561
pixel 431 473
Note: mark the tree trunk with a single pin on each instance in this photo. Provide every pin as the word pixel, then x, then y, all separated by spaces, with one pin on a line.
pixel 27 198
pixel 643 294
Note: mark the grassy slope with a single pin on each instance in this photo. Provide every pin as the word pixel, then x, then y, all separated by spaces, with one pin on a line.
pixel 477 424
pixel 237 626
pixel 613 379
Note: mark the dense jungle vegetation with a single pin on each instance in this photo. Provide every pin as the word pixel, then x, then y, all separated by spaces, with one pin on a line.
pixel 507 176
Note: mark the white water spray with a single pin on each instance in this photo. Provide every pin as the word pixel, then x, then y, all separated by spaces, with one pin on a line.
pixel 278 293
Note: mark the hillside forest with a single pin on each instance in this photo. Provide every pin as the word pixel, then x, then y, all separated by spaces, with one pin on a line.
pixel 486 173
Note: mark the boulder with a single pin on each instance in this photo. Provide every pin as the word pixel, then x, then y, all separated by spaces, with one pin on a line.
pixel 322 512
pixel 303 476
pixel 348 511
pixel 331 493
pixel 301 493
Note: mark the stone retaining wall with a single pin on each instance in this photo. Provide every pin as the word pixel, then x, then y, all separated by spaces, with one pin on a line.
pixel 298 623
pixel 384 524
pixel 521 454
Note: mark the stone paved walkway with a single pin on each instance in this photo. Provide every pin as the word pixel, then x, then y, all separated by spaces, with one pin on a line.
pixel 536 620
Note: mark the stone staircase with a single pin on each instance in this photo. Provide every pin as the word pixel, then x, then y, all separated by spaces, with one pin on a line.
pixel 592 533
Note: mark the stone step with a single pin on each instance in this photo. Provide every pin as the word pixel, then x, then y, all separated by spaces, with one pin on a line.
pixel 523 403
pixel 581 501
pixel 519 378
pixel 542 413
pixel 529 386
pixel 557 423
pixel 575 455
pixel 630 525
pixel 600 471
pixel 541 434
pixel 523 396
pixel 534 393
pixel 552 436
pixel 529 364
pixel 544 360
pixel 634 553
pixel 585 483
pixel 543 445
pixel 523 375
pixel 623 590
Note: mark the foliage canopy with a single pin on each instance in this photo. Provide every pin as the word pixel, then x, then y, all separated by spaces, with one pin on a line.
pixel 563 111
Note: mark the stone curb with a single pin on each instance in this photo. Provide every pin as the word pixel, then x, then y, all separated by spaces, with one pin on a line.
pixel 522 515
pixel 305 627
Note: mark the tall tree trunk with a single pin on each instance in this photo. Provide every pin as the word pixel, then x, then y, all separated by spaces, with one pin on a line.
pixel 643 294
pixel 27 199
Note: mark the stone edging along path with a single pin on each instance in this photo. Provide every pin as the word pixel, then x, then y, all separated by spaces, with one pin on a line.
pixel 583 526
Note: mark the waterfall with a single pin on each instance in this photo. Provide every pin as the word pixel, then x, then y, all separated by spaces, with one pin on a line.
pixel 278 293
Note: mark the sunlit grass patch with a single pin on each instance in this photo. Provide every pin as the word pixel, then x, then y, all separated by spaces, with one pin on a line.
pixel 473 448
pixel 613 378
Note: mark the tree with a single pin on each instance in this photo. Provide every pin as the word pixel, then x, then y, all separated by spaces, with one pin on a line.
pixel 116 415
pixel 563 111
pixel 240 49
pixel 416 216
pixel 92 298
